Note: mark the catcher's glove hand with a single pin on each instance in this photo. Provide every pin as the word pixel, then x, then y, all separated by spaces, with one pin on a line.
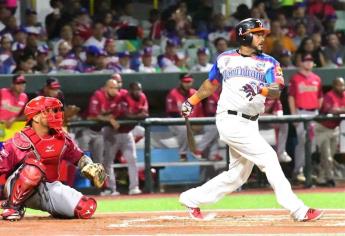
pixel 94 172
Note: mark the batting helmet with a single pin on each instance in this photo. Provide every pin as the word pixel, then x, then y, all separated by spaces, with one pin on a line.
pixel 52 106
pixel 245 28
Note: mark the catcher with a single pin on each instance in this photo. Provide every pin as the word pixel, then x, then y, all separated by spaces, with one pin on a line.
pixel 31 161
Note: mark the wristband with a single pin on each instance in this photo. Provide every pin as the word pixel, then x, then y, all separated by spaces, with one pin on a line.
pixel 264 91
pixel 194 99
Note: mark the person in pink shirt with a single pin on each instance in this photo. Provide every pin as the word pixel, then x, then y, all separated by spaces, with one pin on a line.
pixel 13 100
pixel 173 104
pixel 305 98
pixel 327 132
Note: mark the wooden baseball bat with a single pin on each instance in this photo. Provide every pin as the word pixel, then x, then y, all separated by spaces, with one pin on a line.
pixel 190 136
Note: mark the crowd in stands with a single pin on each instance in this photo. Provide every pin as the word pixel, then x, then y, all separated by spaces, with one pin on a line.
pixel 180 38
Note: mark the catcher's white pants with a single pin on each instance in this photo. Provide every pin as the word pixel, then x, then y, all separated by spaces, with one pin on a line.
pixel 247 147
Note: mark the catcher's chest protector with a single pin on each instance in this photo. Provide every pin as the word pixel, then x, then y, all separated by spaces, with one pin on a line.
pixel 48 151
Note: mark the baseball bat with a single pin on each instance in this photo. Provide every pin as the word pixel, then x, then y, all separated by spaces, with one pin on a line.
pixel 190 136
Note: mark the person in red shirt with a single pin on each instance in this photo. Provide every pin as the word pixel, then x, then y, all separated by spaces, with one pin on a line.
pixel 305 97
pixel 327 132
pixel 275 107
pixel 173 104
pixel 12 101
pixel 101 106
pixel 134 105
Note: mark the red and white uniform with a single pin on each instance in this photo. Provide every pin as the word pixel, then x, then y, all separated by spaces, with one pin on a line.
pixel 332 100
pixel 123 139
pixel 100 103
pixel 26 152
pixel 52 150
pixel 11 106
pixel 174 101
pixel 307 92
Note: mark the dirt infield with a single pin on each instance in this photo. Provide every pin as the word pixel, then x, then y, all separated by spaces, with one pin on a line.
pixel 226 222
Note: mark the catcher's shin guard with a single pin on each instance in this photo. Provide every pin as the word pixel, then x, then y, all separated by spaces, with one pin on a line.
pixel 27 179
pixel 85 208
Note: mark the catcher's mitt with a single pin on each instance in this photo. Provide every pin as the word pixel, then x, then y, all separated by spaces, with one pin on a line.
pixel 94 172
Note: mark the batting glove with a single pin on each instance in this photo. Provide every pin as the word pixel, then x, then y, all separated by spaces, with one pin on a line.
pixel 186 109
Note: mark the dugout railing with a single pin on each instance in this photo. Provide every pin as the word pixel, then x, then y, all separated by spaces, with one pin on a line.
pixel 149 122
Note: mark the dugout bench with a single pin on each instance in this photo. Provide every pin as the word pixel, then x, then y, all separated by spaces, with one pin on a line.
pixel 157 166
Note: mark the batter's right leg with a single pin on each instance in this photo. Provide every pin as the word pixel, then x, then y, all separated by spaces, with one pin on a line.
pixel 216 188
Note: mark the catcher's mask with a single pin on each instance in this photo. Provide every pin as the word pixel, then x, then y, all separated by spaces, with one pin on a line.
pixel 51 107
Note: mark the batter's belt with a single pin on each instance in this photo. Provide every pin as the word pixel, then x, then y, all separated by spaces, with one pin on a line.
pixel 249 117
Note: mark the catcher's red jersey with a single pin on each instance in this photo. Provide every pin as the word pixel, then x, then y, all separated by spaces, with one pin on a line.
pixel 51 150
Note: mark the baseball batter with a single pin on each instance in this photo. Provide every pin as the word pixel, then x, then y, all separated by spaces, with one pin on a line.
pixel 248 76
pixel 31 161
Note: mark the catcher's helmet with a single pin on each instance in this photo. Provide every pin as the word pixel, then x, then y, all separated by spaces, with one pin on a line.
pixel 44 104
pixel 245 28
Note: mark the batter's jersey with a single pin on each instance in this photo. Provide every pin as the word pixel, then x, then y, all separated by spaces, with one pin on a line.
pixel 241 78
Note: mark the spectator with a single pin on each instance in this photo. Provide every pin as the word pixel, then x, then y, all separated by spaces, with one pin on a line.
pixel 11 26
pixel 173 102
pixel 321 9
pixel 156 24
pixel 44 64
pixel 274 107
pixel 112 59
pixel 32 25
pixel 82 23
pixel 242 12
pixel 12 101
pixel 300 33
pixel 127 18
pixel 7 63
pixel 305 97
pixel 307 47
pixel 66 34
pixel 334 51
pixel 258 11
pixel 147 66
pixel 327 132
pixel 219 28
pixel 221 45
pixel 299 16
pixel 97 38
pixel 285 60
pixel 66 61
pixel 54 21
pixel 77 46
pixel 31 42
pixel 203 64
pixel 25 64
pixel 101 107
pixel 134 105
pixel 109 26
pixel 124 63
pixel 277 35
pixel 169 58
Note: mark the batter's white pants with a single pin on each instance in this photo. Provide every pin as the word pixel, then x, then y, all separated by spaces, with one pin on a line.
pixel 247 147
pixel 124 142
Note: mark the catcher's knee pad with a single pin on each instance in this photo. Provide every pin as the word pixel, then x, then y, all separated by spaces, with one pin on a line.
pixel 24 184
pixel 85 208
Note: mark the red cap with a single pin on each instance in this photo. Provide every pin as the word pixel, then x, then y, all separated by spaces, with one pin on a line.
pixel 18 79
pixel 307 57
pixel 187 78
